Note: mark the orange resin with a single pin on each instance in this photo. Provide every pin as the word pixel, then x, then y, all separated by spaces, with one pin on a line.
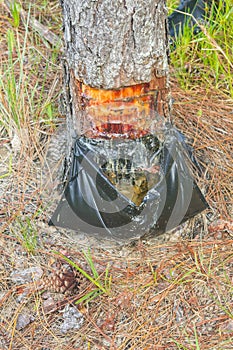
pixel 126 112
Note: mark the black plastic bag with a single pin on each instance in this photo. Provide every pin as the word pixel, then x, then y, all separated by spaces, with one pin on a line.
pixel 188 12
pixel 92 202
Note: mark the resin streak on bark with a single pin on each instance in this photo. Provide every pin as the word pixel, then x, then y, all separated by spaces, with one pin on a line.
pixel 110 44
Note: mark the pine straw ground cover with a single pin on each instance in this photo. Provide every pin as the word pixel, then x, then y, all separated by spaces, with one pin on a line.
pixel 171 293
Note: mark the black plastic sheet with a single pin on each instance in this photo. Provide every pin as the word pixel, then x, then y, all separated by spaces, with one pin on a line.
pixel 93 204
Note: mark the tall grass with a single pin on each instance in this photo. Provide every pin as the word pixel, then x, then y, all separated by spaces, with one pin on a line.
pixel 207 57
pixel 27 105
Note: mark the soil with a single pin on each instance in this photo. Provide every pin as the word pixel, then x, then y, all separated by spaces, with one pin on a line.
pixel 151 303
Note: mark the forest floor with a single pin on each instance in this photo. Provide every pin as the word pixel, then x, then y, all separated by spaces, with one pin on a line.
pixel 171 292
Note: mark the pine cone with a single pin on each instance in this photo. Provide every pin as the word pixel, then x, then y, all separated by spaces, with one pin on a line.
pixel 65 280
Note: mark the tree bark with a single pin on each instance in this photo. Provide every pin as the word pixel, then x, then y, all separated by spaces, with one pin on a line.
pixel 133 179
pixel 115 63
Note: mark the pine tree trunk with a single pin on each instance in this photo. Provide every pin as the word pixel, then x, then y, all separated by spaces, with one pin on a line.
pixel 128 175
pixel 111 46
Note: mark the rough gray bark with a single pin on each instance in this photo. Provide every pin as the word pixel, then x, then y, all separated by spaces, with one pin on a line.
pixel 109 45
